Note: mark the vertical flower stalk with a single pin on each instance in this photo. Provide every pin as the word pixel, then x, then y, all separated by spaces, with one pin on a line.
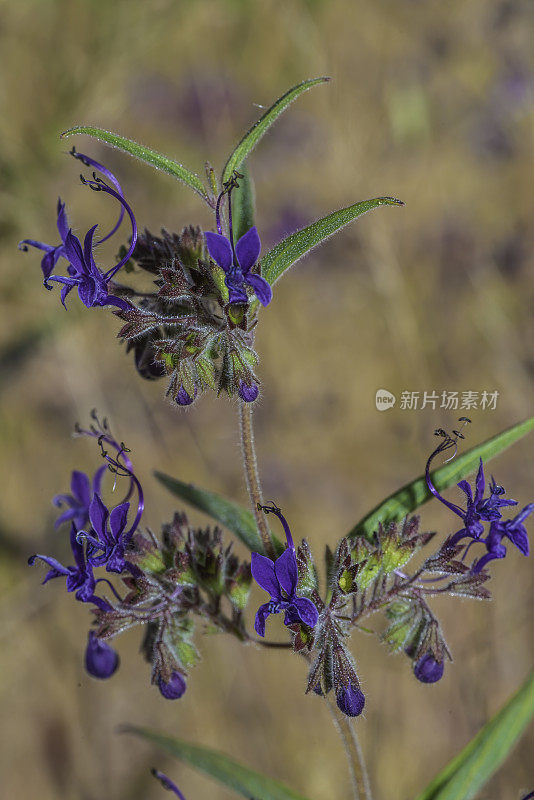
pixel 252 478
pixel 361 787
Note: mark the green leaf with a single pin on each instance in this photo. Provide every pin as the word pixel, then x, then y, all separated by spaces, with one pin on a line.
pixel 224 769
pixel 243 204
pixel 237 519
pixel 465 775
pixel 146 154
pixel 252 137
pixel 414 494
pixel 290 250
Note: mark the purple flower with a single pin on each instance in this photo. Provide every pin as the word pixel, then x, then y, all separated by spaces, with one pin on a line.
pixel 101 660
pixel 248 393
pixel 111 535
pixel 79 577
pixel 167 783
pixel 280 579
pixel 427 669
pixel 478 509
pixel 512 529
pixel 82 271
pixel 174 688
pixel 237 263
pixel 80 498
pixel 350 700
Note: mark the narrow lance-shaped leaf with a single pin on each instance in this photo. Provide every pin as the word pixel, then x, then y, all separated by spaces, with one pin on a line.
pixel 252 137
pixel 294 247
pixel 243 204
pixel 240 521
pixel 225 770
pixel 414 494
pixel 146 154
pixel 465 775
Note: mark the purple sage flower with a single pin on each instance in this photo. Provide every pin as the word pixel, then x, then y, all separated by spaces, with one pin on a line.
pixel 174 688
pixel 111 535
pixel 237 263
pixel 79 577
pixel 79 500
pixel 167 783
pixel 427 669
pixel 101 660
pixel 512 529
pixel 82 271
pixel 350 700
pixel 280 579
pixel 478 509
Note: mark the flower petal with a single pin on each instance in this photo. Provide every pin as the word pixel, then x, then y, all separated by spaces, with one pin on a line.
pixel 219 249
pixel 247 249
pixel 88 251
pixel 480 483
pixel 57 568
pixel 262 289
pixel 465 486
pixel 306 610
pixel 88 291
pixel 261 615
pixel 118 519
pixel 98 514
pixel 74 253
pixel 286 571
pixel 80 487
pixel 263 573
pixel 62 224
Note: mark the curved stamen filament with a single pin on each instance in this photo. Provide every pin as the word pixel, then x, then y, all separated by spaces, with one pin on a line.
pixel 90 162
pixel 98 185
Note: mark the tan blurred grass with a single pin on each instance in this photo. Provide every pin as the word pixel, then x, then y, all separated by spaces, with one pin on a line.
pixel 430 102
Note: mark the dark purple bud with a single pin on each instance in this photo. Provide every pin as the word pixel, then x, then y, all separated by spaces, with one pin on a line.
pixel 101 660
pixel 428 670
pixel 350 700
pixel 173 689
pixel 317 689
pixel 248 393
pixel 183 398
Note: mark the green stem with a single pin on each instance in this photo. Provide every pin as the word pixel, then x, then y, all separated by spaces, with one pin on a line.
pixel 252 478
pixel 361 788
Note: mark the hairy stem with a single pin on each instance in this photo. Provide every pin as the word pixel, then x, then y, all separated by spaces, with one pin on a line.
pixel 252 478
pixel 361 788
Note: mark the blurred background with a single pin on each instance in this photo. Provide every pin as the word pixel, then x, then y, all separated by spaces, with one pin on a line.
pixel 431 102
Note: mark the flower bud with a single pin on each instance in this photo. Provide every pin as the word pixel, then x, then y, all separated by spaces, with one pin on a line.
pixel 248 393
pixel 350 700
pixel 183 398
pixel 174 688
pixel 101 660
pixel 427 669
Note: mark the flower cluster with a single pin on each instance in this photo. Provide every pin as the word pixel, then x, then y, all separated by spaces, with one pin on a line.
pixel 99 537
pixel 481 510
pixel 162 583
pixel 196 326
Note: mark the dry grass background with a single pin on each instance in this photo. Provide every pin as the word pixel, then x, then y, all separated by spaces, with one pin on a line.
pixel 431 102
